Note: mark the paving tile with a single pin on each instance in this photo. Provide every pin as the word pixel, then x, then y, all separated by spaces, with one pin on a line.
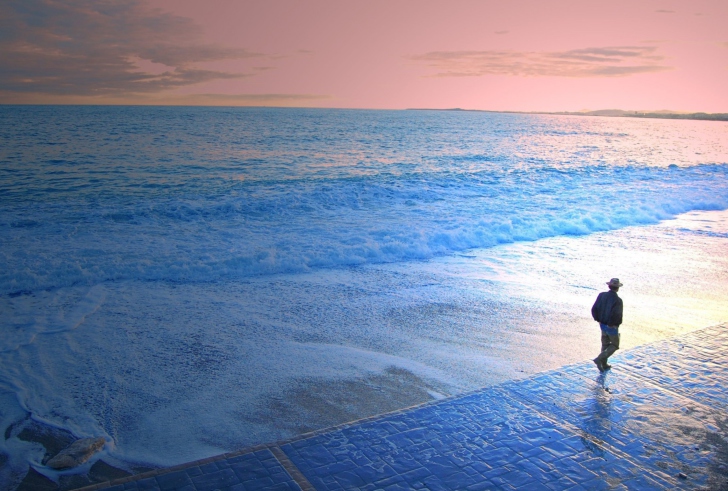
pixel 208 468
pixel 487 437
pixel 148 484
pixel 173 480
pixel 215 480
pixel 193 471
pixel 657 428
pixel 260 470
pixel 689 370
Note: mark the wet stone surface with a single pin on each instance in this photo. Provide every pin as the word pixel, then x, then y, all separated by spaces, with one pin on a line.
pixel 657 420
pixel 482 441
pixel 695 366
pixel 665 433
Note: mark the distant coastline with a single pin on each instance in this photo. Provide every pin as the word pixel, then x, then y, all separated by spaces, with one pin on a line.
pixel 613 113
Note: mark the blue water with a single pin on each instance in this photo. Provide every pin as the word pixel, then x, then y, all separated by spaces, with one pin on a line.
pixel 178 279
pixel 201 194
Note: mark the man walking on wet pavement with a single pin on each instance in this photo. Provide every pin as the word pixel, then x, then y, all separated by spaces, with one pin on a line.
pixel 607 311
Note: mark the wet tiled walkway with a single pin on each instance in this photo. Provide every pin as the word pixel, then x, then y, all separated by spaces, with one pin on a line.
pixel 657 420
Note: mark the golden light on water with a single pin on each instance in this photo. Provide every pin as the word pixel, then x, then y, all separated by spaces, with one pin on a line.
pixel 675 276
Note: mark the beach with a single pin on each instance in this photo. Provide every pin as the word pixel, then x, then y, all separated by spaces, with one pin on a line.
pixel 183 300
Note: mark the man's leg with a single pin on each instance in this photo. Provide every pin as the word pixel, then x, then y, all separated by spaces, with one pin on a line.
pixel 610 349
pixel 600 361
pixel 605 341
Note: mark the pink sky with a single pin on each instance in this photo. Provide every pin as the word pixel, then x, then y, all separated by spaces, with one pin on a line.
pixel 477 54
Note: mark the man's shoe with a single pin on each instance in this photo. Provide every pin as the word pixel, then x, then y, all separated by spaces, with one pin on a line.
pixel 599 364
pixel 606 366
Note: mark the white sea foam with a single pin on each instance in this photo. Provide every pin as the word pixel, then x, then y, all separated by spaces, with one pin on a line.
pixel 306 226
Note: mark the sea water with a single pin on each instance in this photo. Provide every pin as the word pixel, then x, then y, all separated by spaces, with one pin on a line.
pixel 189 281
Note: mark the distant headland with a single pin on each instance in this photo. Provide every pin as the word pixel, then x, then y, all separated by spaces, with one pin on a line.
pixel 615 113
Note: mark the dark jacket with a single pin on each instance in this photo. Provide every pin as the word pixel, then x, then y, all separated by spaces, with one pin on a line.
pixel 608 309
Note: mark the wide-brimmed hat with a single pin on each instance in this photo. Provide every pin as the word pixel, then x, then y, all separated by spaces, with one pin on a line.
pixel 614 282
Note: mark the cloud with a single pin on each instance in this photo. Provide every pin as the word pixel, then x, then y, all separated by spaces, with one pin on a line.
pixel 619 61
pixel 501 32
pixel 252 99
pixel 90 47
pixel 661 11
pixel 172 99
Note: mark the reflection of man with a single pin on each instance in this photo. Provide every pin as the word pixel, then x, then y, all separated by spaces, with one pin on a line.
pixel 607 311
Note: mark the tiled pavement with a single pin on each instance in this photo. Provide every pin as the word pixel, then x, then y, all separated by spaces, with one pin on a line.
pixel 657 420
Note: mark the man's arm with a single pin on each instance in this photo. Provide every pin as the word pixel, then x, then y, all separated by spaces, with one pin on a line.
pixel 596 307
pixel 615 319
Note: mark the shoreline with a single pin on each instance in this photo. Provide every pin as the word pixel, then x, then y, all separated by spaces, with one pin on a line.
pixel 609 113
pixel 612 113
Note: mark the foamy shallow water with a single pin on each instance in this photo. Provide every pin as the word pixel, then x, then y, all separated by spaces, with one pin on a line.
pixel 170 373
pixel 184 300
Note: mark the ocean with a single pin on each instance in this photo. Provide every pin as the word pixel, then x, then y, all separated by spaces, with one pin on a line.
pixel 191 281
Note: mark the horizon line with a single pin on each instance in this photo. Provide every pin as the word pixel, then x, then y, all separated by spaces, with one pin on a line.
pixel 656 114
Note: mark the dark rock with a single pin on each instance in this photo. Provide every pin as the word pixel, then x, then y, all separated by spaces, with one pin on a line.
pixel 682 476
pixel 53 439
pixel 13 427
pixel 35 481
pixel 140 469
pixel 77 453
pixel 8 431
pixel 102 472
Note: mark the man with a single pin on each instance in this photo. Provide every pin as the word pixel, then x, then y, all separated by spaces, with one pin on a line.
pixel 607 311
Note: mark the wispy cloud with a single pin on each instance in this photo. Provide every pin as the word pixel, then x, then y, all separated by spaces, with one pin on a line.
pixel 172 99
pixel 662 11
pixel 89 47
pixel 616 61
pixel 254 99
